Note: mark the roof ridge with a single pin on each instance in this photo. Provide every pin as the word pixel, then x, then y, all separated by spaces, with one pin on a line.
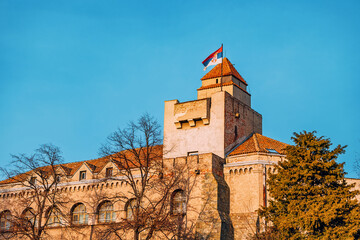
pixel 237 145
pixel 258 144
pixel 257 148
pixel 272 139
pixel 224 69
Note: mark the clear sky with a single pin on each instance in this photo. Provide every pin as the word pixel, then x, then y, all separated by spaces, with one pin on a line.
pixel 73 71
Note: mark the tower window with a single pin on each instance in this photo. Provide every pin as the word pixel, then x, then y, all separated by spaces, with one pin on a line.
pixel 236 132
pixel 82 175
pixel 217 80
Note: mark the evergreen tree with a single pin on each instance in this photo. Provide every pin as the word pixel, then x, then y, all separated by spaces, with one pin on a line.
pixel 310 199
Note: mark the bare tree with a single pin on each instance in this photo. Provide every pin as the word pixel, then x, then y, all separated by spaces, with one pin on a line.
pixel 38 202
pixel 154 183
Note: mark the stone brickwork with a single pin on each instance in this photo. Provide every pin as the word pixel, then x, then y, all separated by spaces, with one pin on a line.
pixel 240 121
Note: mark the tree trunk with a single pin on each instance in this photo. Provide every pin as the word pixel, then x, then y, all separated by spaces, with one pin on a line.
pixel 136 234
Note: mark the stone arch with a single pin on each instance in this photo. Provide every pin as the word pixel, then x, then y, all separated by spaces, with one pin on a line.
pixel 178 202
pixel 79 214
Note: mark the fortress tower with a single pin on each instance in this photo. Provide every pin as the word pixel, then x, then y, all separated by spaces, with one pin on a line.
pixel 215 122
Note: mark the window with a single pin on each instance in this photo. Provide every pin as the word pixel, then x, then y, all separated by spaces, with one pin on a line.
pixel 217 80
pixel 130 207
pixel 82 175
pixel 54 217
pixel 109 172
pixel 106 212
pixel 32 180
pixel 178 202
pixel 58 178
pixel 79 215
pixel 194 153
pixel 270 150
pixel 5 221
pixel 28 217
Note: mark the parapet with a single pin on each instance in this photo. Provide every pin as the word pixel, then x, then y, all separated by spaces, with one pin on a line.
pixel 191 112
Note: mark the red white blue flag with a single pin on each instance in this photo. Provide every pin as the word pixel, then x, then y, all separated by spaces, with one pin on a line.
pixel 214 58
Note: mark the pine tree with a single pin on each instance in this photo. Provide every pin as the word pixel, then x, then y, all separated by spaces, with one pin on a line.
pixel 310 199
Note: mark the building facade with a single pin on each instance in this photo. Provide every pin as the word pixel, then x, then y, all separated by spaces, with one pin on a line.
pixel 218 137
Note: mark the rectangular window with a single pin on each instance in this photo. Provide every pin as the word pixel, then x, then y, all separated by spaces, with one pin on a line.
pixel 193 153
pixel 109 172
pixel 82 175
pixel 270 150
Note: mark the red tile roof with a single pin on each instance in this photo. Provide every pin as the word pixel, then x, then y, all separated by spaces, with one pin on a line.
pixel 96 165
pixel 228 69
pixel 258 143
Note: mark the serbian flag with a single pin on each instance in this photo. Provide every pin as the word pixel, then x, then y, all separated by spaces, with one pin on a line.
pixel 214 58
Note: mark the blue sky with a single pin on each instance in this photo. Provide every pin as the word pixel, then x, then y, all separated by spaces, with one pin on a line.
pixel 71 72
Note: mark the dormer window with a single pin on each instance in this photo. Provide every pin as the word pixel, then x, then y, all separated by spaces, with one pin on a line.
pixel 109 172
pixel 270 150
pixel 58 179
pixel 82 175
pixel 32 180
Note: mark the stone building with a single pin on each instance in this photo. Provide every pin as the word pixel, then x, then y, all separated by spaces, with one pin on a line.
pixel 218 135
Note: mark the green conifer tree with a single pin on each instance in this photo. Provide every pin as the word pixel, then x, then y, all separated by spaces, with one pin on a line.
pixel 310 199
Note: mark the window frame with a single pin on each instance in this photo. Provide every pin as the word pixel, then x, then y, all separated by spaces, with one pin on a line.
pixel 178 206
pixel 28 217
pixel 5 221
pixel 129 209
pixel 107 211
pixel 109 172
pixel 54 219
pixel 81 177
pixel 80 213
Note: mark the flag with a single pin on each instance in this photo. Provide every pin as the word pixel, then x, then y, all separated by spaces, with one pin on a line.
pixel 214 58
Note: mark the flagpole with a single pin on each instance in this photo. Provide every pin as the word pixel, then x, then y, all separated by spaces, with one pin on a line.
pixel 222 61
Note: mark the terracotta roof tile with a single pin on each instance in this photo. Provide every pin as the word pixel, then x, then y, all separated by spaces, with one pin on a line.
pixel 258 143
pixel 228 69
pixel 96 165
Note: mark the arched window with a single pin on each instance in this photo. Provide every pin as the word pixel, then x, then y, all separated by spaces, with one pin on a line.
pixel 5 221
pixel 130 208
pixel 178 202
pixel 106 212
pixel 28 217
pixel 78 214
pixel 54 217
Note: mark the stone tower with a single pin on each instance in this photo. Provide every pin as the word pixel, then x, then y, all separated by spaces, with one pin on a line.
pixel 215 122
